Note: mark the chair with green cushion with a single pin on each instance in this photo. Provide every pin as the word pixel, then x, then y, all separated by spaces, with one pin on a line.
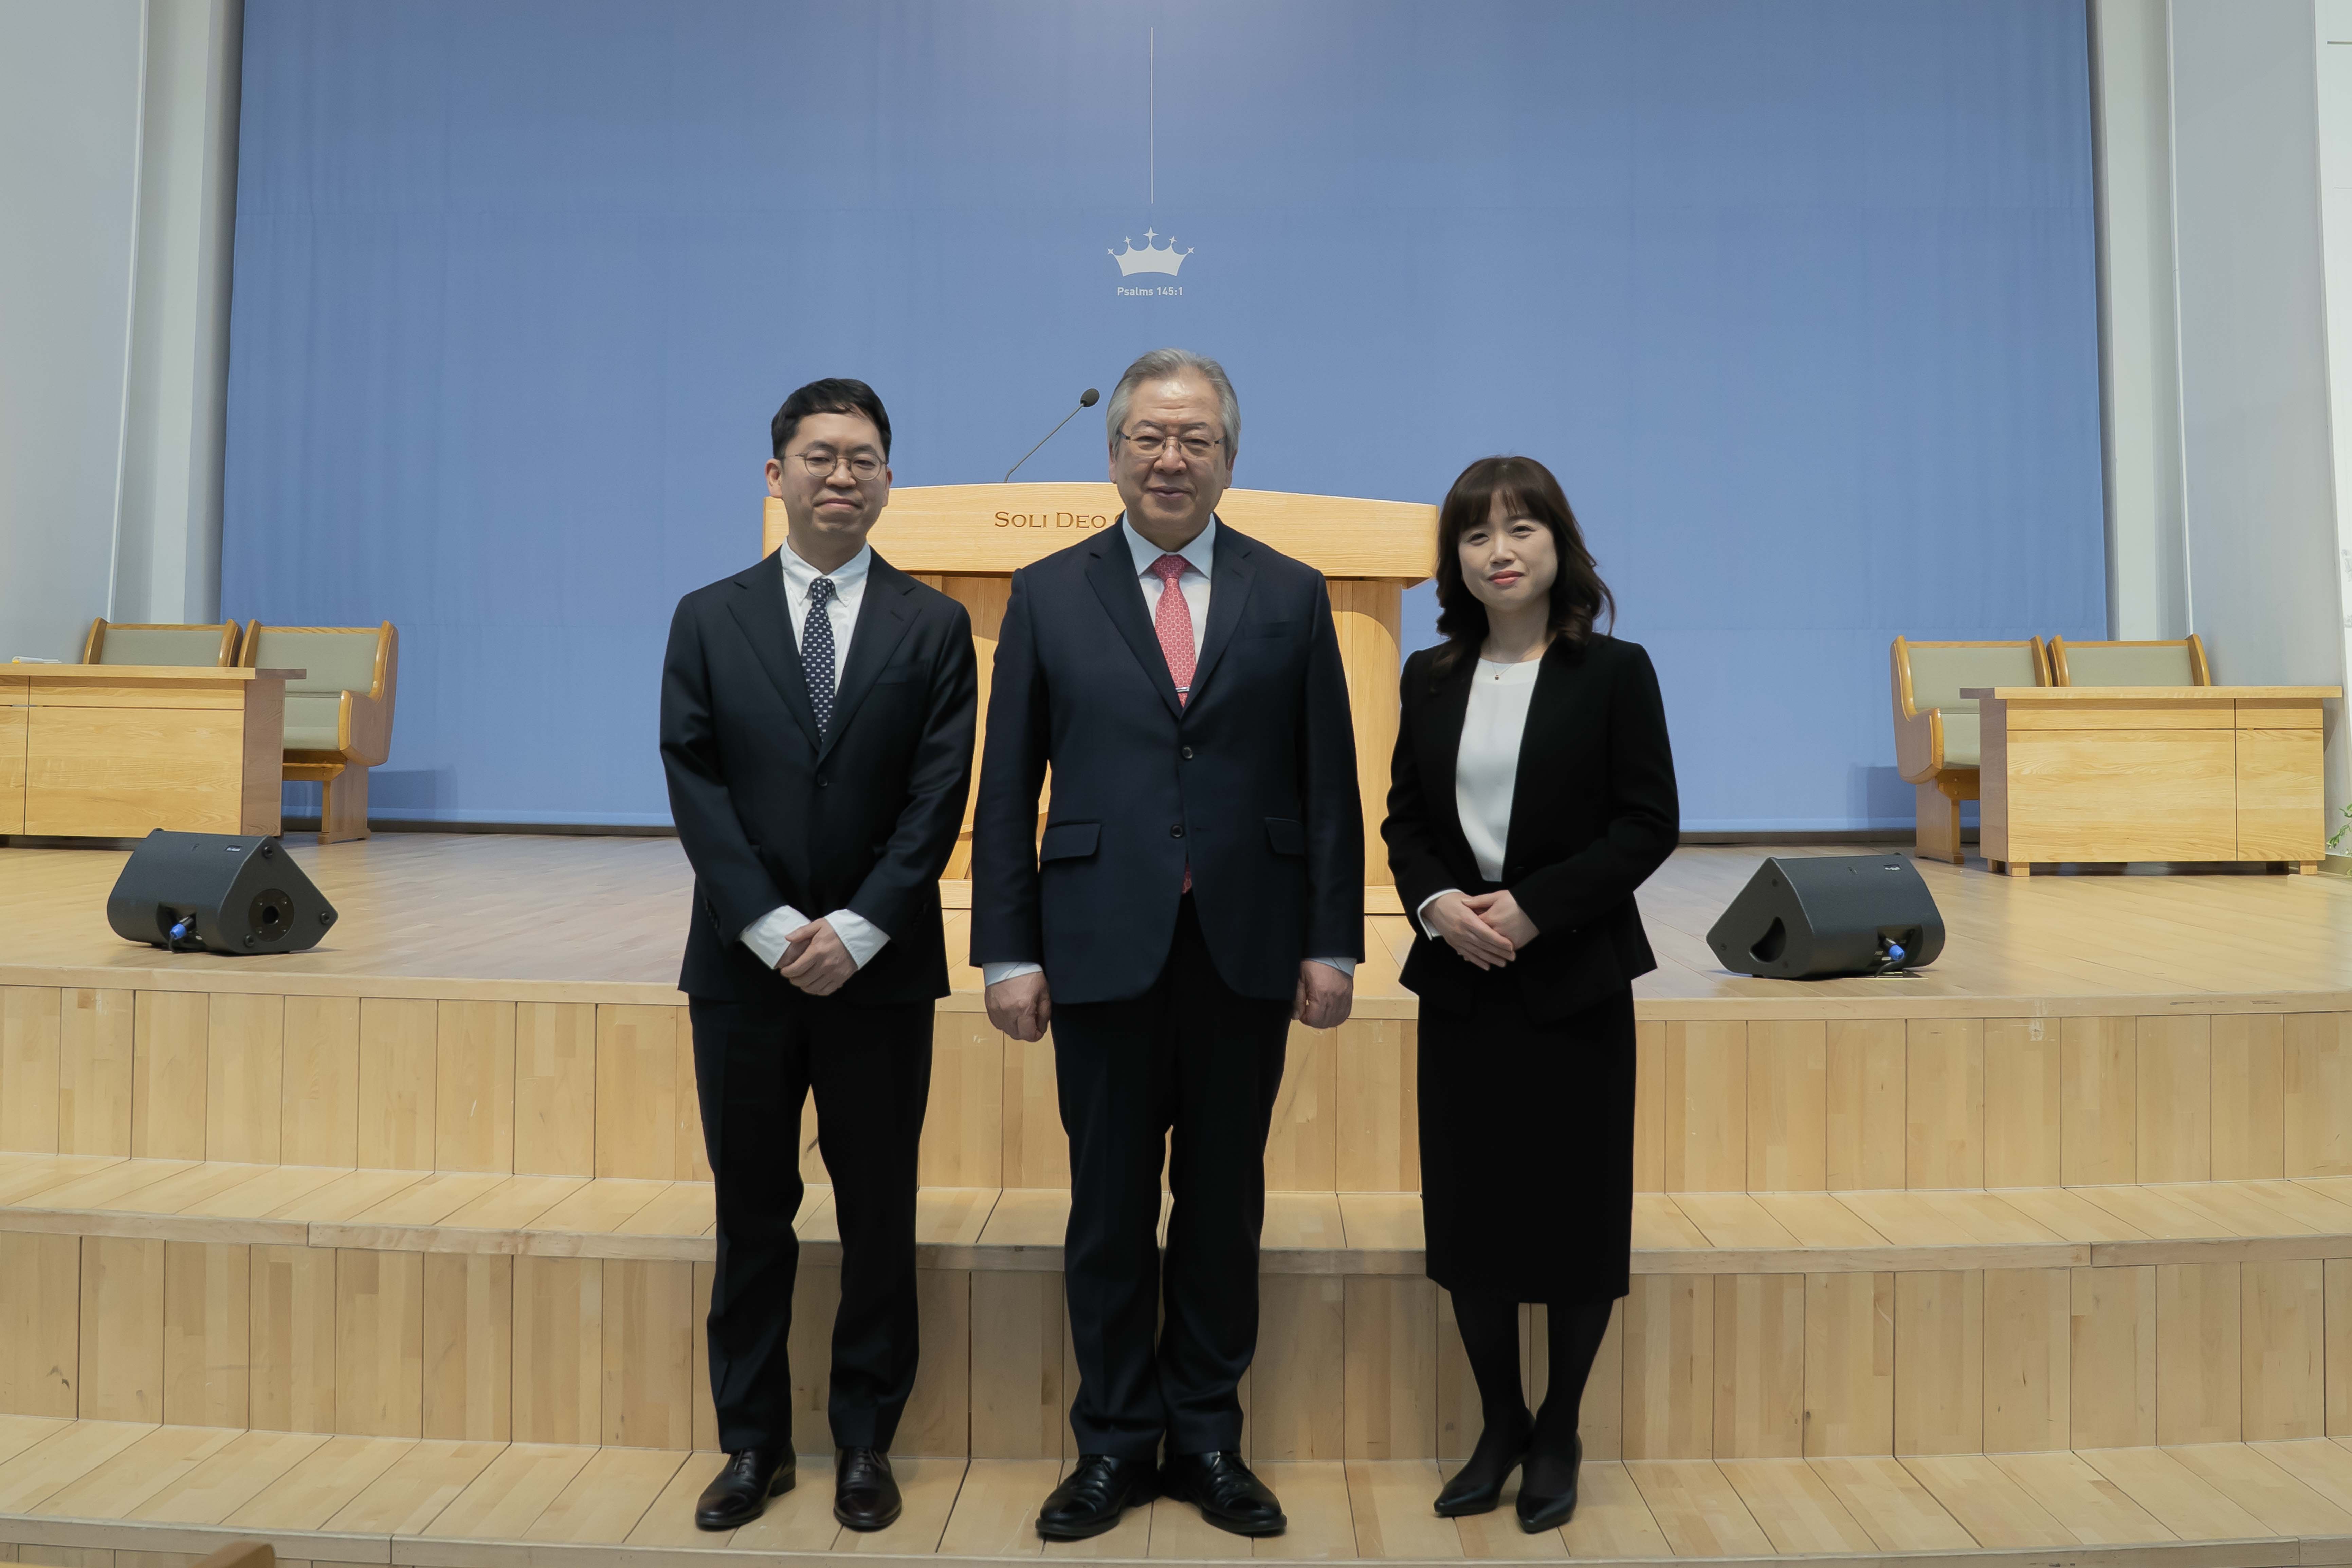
pixel 187 646
pixel 1936 744
pixel 337 716
pixel 2179 663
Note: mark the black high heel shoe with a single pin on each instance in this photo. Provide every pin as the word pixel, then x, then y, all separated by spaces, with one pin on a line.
pixel 1477 1486
pixel 1549 1510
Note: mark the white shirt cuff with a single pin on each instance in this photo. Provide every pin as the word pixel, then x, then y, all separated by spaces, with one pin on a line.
pixel 767 936
pixel 1346 967
pixel 1420 911
pixel 860 937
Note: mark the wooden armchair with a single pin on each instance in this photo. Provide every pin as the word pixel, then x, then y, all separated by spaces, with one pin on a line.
pixel 2179 663
pixel 189 647
pixel 337 716
pixel 1935 741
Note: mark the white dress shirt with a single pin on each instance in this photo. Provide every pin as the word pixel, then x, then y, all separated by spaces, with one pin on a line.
pixel 1486 768
pixel 848 592
pixel 860 937
pixel 1200 561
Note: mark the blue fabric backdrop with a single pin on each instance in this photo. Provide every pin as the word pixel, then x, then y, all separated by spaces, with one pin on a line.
pixel 1798 300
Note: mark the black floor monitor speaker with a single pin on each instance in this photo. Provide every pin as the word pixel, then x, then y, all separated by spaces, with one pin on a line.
pixel 1816 916
pixel 219 891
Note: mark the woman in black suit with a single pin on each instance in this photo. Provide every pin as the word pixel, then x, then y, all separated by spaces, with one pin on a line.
pixel 1532 791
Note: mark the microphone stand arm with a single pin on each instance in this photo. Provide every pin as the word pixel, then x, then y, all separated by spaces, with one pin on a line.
pixel 1032 452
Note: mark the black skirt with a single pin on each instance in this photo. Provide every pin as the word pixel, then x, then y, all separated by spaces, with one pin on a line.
pixel 1527 1149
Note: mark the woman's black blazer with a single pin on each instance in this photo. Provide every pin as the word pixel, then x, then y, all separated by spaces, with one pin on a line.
pixel 1593 812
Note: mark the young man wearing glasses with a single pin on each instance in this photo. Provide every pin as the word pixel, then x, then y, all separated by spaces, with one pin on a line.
pixel 1199 886
pixel 817 729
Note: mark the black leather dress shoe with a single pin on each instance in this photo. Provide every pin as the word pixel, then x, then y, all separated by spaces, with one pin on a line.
pixel 1477 1486
pixel 865 1493
pixel 1228 1496
pixel 1091 1501
pixel 1545 1503
pixel 741 1493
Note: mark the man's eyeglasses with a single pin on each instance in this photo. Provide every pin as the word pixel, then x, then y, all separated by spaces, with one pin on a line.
pixel 1149 444
pixel 820 462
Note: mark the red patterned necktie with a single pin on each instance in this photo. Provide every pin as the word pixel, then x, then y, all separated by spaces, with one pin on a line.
pixel 1173 621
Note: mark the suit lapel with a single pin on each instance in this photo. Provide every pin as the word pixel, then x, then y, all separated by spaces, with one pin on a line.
pixel 884 617
pixel 759 609
pixel 1449 707
pixel 1229 590
pixel 1111 574
pixel 1555 677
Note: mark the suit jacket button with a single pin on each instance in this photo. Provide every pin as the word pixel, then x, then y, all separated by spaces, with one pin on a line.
pixel 1186 753
pixel 823 782
pixel 1176 830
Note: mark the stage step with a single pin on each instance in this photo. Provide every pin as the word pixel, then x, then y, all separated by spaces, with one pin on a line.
pixel 566 1309
pixel 1020 1229
pixel 1774 1102
pixel 125 1495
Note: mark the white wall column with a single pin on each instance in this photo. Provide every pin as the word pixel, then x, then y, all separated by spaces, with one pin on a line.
pixel 2258 430
pixel 2139 351
pixel 69 106
pixel 2333 48
pixel 120 119
pixel 167 558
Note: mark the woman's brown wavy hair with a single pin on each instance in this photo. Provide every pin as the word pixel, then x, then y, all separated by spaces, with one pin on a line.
pixel 1579 596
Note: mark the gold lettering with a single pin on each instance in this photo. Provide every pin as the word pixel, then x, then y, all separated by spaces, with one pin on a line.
pixel 1052 519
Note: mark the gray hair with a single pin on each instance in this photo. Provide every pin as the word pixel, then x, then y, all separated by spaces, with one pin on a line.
pixel 1159 365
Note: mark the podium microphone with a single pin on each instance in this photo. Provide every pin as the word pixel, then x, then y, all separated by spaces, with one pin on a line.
pixel 1087 399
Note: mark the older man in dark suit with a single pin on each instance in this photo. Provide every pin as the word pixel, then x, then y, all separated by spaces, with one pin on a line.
pixel 816 727
pixel 1199 885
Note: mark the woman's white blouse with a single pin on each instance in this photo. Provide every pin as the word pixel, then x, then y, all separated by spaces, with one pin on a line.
pixel 1487 766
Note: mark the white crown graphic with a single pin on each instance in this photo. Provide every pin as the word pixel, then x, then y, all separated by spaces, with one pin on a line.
pixel 1151 257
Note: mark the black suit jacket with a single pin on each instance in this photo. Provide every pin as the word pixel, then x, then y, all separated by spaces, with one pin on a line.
pixel 768 816
pixel 1593 812
pixel 1253 784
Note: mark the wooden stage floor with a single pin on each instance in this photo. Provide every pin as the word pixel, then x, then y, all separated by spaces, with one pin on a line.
pixel 126 1495
pixel 1915 1278
pixel 533 917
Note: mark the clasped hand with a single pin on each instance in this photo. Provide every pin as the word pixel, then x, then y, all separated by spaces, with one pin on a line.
pixel 1487 929
pixel 814 959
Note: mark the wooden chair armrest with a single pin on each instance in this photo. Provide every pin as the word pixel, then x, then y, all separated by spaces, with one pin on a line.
pixel 364 730
pixel 1919 745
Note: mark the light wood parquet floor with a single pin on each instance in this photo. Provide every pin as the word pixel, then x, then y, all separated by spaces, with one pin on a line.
pixel 74 1492
pixel 527 917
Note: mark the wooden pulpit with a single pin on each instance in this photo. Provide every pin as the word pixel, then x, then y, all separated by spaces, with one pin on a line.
pixel 967 541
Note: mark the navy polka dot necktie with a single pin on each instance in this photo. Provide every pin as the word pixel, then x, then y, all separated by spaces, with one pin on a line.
pixel 817 652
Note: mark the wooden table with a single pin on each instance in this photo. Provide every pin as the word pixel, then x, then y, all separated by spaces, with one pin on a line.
pixel 2152 773
pixel 114 751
